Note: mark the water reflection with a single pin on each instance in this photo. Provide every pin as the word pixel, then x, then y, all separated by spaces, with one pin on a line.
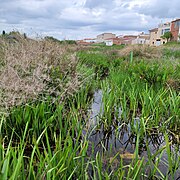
pixel 119 139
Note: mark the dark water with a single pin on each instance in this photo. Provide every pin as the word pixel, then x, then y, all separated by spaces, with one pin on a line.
pixel 120 140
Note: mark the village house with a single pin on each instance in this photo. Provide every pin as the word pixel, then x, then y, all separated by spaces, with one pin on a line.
pixel 157 33
pixel 175 30
pixel 89 40
pixel 82 42
pixel 102 37
pixel 153 36
pixel 86 41
pixel 141 39
pixel 113 41
pixel 127 39
pixel 162 28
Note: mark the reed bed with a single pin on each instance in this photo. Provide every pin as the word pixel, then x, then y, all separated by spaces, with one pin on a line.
pixel 138 94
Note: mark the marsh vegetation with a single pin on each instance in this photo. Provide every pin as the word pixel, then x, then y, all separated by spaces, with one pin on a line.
pixel 71 112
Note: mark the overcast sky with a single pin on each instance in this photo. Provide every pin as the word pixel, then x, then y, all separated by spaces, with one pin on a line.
pixel 77 19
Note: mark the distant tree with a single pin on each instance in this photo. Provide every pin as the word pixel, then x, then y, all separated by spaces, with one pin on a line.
pixel 3 33
pixel 167 35
pixel 68 42
pixel 51 38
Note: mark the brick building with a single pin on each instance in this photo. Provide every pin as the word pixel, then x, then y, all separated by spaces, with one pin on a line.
pixel 175 29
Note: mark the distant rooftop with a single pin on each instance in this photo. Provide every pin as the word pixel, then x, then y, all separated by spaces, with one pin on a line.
pixel 153 30
pixel 116 38
pixel 130 36
pixel 176 20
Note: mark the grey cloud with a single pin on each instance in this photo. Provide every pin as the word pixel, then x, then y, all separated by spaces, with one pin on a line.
pixel 161 8
pixel 98 3
pixel 88 18
pixel 18 11
pixel 124 23
pixel 73 24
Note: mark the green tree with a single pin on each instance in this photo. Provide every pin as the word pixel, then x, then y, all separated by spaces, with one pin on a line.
pixel 51 38
pixel 167 35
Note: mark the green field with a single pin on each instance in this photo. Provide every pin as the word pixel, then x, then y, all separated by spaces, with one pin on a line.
pixel 92 112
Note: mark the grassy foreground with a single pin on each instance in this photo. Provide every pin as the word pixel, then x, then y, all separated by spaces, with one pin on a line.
pixel 46 93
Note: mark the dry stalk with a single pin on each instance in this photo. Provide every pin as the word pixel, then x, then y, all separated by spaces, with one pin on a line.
pixel 143 51
pixel 26 70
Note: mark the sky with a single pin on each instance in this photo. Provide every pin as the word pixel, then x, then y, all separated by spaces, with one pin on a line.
pixel 78 19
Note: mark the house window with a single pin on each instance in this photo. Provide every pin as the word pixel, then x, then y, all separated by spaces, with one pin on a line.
pixel 166 30
pixel 177 24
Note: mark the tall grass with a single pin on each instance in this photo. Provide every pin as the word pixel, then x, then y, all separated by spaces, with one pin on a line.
pixel 139 94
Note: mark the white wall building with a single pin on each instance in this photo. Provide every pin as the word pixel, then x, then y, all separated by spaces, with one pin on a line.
pixel 90 40
pixel 141 39
pixel 109 42
pixel 162 28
